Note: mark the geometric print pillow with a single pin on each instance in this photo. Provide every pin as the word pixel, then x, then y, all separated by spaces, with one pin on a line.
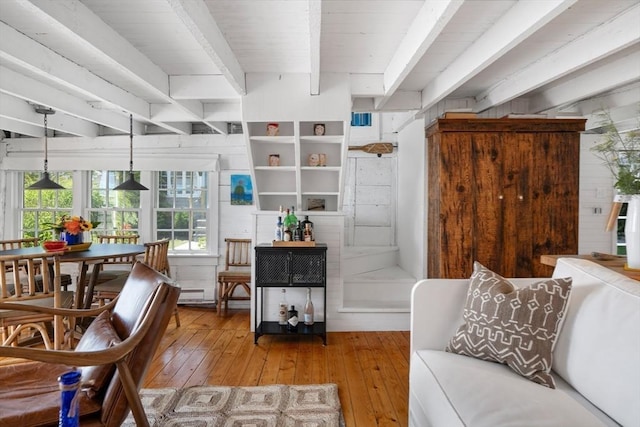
pixel 510 325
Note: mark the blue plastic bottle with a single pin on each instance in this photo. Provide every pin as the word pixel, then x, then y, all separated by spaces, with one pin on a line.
pixel 69 407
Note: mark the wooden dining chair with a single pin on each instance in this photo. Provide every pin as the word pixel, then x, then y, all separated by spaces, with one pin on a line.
pixel 21 287
pixel 29 242
pixel 237 272
pixel 112 271
pixel 156 256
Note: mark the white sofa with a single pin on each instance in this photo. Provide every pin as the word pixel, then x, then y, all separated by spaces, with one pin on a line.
pixel 596 360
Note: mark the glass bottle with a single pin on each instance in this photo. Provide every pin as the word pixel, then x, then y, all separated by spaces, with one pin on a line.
pixel 282 308
pixel 288 221
pixel 307 235
pixel 278 235
pixel 69 415
pixel 297 233
pixel 306 223
pixel 292 323
pixel 308 309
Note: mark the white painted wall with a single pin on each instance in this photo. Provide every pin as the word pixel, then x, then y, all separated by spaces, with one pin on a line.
pixel 410 227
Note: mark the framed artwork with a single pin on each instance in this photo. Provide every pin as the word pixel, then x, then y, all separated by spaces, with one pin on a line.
pixel 241 190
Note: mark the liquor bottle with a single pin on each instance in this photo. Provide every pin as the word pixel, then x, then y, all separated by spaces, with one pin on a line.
pixel 308 309
pixel 297 232
pixel 278 235
pixel 294 219
pixel 307 235
pixel 310 224
pixel 288 221
pixel 282 308
pixel 292 323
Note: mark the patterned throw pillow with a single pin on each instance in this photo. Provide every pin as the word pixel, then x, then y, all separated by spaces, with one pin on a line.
pixel 515 326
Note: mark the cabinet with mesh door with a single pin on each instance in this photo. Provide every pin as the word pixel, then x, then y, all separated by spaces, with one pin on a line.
pixel 289 267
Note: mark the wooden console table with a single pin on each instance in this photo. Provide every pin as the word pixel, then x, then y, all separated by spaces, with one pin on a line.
pixel 613 262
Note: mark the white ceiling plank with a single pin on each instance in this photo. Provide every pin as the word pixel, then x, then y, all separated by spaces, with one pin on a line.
pixel 403 100
pixel 611 37
pixel 315 26
pixel 223 112
pixel 366 84
pixel 196 17
pixel 201 87
pixel 493 44
pixel 618 73
pixel 30 55
pixel 425 28
pixel 36 92
pixel 22 128
pixel 171 113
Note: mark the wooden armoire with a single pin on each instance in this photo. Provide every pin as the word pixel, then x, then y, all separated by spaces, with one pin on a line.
pixel 501 192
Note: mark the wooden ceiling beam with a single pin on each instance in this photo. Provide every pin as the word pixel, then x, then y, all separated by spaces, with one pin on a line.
pixel 620 72
pixel 315 28
pixel 424 30
pixel 500 39
pixel 36 92
pixel 198 21
pixel 607 39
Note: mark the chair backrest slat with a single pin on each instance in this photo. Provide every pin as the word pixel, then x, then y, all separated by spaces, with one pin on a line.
pixel 238 253
pixel 156 256
pixel 131 239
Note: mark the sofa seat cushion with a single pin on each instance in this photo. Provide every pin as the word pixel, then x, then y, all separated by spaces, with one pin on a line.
pixel 34 385
pixel 452 390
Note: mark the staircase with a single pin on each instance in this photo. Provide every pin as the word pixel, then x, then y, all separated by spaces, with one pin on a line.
pixel 373 282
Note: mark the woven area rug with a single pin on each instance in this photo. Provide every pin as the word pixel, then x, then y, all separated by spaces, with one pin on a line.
pixel 315 405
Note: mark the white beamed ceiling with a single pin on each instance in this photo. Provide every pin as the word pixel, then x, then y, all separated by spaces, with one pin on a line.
pixel 180 64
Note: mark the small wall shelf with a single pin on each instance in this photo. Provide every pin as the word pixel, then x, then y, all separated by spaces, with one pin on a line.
pixel 297 181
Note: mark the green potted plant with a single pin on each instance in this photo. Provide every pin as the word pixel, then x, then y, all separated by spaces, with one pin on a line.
pixel 621 154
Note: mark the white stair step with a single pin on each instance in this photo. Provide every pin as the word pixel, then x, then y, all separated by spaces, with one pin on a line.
pixel 362 259
pixel 386 289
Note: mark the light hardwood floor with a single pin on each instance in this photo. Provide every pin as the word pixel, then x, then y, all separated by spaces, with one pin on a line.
pixel 370 368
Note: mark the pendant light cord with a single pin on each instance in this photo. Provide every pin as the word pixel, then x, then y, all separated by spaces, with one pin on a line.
pixel 130 143
pixel 46 148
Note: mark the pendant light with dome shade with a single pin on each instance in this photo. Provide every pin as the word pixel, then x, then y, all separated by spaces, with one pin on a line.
pixel 130 184
pixel 45 183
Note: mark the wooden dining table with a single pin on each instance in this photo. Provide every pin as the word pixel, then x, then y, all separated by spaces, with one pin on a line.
pixel 95 255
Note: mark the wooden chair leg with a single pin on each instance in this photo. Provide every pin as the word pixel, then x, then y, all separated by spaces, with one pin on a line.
pixel 177 317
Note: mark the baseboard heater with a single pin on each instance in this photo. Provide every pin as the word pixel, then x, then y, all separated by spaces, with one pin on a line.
pixel 192 296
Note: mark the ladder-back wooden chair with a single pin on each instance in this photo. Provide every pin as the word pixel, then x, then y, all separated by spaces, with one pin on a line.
pixel 236 273
pixel 22 288
pixel 156 255
pixel 122 264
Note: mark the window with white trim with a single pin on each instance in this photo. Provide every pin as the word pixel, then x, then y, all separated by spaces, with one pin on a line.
pixel 41 207
pixel 118 212
pixel 182 209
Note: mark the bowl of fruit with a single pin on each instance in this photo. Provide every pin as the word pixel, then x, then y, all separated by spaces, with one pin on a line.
pixel 54 245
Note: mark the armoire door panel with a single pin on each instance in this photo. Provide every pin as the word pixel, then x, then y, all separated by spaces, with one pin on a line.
pixel 456 205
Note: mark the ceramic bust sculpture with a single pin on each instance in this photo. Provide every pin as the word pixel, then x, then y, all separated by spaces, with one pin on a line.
pixel 272 129
pixel 318 129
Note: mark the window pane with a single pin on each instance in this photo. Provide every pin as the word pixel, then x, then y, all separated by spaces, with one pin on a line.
pixel 181 209
pixel 40 208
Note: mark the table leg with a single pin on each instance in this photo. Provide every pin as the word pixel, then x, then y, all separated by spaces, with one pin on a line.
pixel 88 298
pixel 79 301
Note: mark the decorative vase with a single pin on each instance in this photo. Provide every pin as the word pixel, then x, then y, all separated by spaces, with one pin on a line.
pixel 632 232
pixel 71 239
